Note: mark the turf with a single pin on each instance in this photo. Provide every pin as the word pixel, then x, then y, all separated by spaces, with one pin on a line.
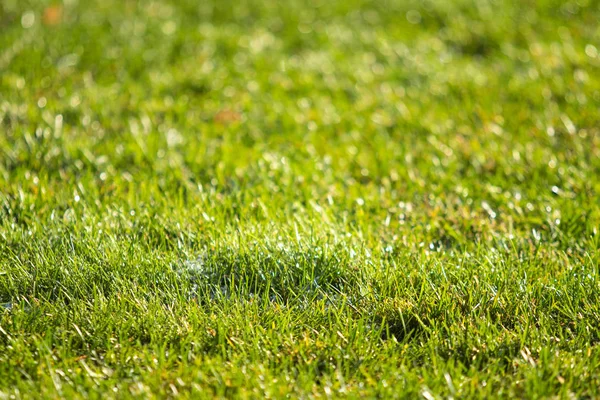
pixel 271 198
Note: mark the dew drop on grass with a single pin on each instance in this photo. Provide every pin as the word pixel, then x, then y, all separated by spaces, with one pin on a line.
pixel 591 51
pixel 489 210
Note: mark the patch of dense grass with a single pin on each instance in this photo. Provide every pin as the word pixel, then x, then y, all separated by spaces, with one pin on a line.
pixel 264 198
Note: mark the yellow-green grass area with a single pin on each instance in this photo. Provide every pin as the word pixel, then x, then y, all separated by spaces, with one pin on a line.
pixel 343 198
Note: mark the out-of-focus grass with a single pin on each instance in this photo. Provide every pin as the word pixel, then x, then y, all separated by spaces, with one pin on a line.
pixel 266 198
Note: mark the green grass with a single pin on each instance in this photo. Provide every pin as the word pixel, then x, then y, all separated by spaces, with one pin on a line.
pixel 265 199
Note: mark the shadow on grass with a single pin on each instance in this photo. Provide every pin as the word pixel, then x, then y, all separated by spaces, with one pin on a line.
pixel 281 275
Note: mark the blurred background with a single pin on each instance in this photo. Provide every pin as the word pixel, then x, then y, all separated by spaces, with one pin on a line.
pixel 473 107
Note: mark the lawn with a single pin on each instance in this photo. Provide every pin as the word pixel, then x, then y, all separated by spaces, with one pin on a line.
pixel 263 198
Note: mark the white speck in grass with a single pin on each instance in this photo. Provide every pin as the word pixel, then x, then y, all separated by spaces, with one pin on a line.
pixel 568 124
pixel 427 394
pixel 28 19
pixel 581 76
pixel 555 189
pixel 489 210
pixel 75 101
pixel 360 202
pixel 591 51
pixel 173 138
pixel 42 102
pixel 77 198
pixel 68 61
